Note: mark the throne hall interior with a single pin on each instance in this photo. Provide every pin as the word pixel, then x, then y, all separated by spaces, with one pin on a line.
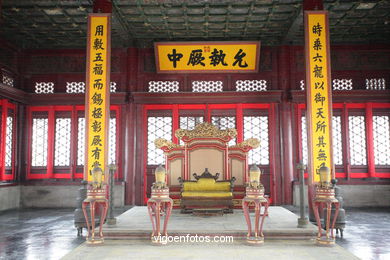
pixel 42 96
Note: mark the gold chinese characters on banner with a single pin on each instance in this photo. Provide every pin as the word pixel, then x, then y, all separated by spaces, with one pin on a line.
pixel 203 57
pixel 97 92
pixel 319 95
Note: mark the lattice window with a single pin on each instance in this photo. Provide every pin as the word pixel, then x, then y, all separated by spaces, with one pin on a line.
pixel 257 127
pixel 251 85
pixel 337 140
pixel 79 87
pixel 207 86
pixel 381 129
pixel 75 87
pixel 223 123
pixel 44 87
pixel 62 142
pixel 338 84
pixel 305 152
pixel 357 140
pixel 9 142
pixel 81 141
pixel 39 142
pixel 376 84
pixel 189 122
pixel 112 142
pixel 158 127
pixel 164 86
pixel 8 81
pixel 113 87
pixel 342 84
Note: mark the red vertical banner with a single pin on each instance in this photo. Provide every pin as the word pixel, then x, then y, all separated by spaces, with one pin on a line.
pixel 319 93
pixel 97 98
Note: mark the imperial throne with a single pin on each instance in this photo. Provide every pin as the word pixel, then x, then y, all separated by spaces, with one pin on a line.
pixel 206 149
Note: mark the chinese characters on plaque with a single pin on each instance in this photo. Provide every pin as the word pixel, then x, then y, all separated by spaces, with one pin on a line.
pixel 207 56
pixel 319 99
pixel 97 95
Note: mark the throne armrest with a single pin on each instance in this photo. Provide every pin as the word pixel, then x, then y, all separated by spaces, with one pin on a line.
pixel 180 179
pixel 232 180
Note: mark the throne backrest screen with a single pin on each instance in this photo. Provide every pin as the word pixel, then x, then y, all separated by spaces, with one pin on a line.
pixel 207 157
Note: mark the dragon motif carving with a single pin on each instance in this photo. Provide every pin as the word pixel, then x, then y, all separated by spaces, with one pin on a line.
pixel 251 142
pixel 206 130
pixel 161 142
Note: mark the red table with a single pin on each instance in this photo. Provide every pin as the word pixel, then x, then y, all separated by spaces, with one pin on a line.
pixel 160 204
pixel 95 198
pixel 255 196
pixel 325 197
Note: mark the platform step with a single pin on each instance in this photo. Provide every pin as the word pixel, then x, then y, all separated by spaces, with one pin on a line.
pixel 207 212
pixel 279 224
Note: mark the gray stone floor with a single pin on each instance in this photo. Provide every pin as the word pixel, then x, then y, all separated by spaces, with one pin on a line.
pixel 50 234
pixel 291 250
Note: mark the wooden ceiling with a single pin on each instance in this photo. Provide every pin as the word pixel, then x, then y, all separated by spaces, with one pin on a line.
pixel 43 24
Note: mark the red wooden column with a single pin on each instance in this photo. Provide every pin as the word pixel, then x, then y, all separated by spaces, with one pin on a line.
pixel 285 117
pixel 132 128
pixel 3 124
pixel 73 146
pixel 345 140
pixel 50 145
pixel 175 122
pixel 370 141
pixel 240 123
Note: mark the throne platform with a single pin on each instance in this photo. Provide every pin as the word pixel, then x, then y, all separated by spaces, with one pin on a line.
pixel 279 224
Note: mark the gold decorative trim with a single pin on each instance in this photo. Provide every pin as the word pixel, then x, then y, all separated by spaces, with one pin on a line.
pixel 161 142
pixel 251 142
pixel 206 130
pixel 237 202
pixel 176 202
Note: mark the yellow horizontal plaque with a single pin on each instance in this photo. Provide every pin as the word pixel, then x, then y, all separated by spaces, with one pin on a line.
pixel 212 57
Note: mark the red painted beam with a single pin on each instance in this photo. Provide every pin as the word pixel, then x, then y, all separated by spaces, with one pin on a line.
pixel 102 6
pixel 310 5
